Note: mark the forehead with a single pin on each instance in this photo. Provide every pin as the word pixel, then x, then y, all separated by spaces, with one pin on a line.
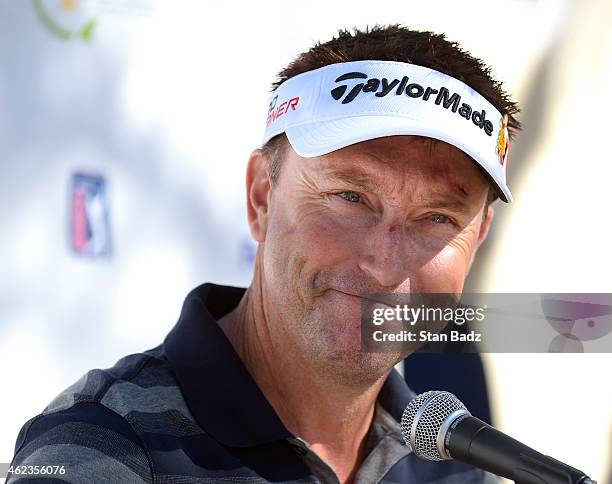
pixel 394 160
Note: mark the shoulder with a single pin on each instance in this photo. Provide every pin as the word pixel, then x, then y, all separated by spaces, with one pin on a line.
pixel 415 469
pixel 140 370
pixel 94 426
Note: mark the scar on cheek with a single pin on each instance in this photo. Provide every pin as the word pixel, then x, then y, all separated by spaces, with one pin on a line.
pixel 393 228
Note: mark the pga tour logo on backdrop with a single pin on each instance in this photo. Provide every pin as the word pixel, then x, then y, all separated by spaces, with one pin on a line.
pixel 384 87
pixel 89 216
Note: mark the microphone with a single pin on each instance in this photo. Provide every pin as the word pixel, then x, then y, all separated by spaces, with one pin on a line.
pixel 437 426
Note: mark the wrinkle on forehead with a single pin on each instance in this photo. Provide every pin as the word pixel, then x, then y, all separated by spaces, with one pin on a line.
pixel 387 166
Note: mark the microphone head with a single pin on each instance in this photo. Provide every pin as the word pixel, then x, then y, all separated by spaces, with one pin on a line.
pixel 426 420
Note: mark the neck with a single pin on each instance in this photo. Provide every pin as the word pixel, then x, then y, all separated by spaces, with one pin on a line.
pixel 333 418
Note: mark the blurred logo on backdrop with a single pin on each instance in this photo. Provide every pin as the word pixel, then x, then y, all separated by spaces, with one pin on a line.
pixel 90 232
pixel 577 318
pixel 77 19
pixel 66 19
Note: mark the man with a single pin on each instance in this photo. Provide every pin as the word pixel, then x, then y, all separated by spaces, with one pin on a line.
pixel 383 151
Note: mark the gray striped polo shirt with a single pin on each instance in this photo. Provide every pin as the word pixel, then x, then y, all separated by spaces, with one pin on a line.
pixel 188 411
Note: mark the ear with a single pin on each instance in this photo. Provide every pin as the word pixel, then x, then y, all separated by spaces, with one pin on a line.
pixel 258 194
pixel 483 232
pixel 485 225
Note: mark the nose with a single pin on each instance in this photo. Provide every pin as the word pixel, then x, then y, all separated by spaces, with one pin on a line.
pixel 386 255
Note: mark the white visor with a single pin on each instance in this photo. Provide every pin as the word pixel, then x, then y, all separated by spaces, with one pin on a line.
pixel 338 105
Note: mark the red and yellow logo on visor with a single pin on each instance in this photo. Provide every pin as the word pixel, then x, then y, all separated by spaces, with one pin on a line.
pixel 503 141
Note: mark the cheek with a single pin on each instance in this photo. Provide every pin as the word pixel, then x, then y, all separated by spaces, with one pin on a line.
pixel 301 243
pixel 447 270
pixel 318 248
pixel 325 238
pixel 316 232
pixel 461 247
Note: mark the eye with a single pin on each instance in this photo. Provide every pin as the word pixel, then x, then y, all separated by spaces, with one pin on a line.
pixel 351 197
pixel 439 219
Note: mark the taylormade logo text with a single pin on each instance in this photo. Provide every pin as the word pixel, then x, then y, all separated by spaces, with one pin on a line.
pixel 383 87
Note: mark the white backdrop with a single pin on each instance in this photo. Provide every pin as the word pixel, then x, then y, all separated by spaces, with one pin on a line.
pixel 167 99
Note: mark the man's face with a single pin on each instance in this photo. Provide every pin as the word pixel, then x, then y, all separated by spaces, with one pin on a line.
pixel 400 214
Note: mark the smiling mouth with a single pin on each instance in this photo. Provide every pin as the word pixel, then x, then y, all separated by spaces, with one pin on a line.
pixel 365 298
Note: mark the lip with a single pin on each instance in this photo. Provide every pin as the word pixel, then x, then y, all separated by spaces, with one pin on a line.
pixel 347 293
pixel 363 298
pixel 344 292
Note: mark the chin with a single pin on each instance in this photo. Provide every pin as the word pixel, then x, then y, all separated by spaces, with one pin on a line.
pixel 349 365
pixel 332 339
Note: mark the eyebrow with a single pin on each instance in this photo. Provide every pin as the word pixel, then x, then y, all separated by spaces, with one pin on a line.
pixel 356 177
pixel 439 199
pixel 450 203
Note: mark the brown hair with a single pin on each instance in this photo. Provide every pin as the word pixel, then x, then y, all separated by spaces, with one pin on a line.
pixel 396 43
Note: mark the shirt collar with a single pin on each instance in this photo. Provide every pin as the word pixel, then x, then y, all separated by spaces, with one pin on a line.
pixel 218 389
